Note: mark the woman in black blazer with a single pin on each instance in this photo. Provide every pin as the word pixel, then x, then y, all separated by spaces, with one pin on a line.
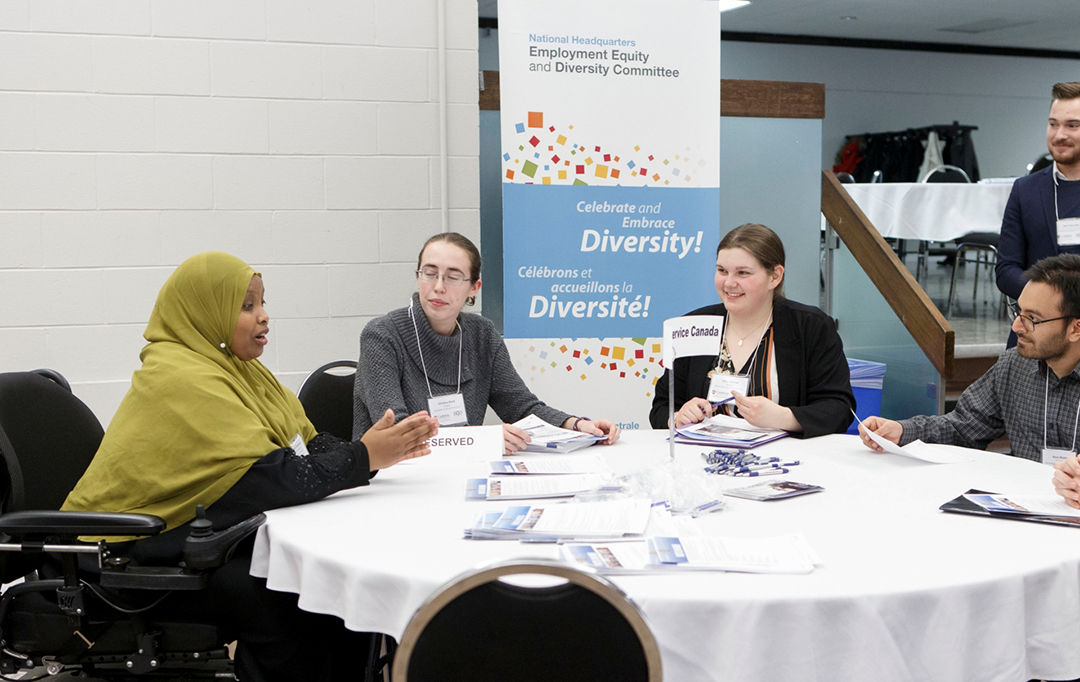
pixel 789 355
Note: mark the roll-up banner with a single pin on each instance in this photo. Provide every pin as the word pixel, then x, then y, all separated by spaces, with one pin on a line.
pixel 610 115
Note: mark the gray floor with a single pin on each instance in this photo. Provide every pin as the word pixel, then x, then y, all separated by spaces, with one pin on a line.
pixel 978 319
pixel 980 323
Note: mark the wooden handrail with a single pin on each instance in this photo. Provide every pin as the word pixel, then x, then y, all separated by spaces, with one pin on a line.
pixel 916 311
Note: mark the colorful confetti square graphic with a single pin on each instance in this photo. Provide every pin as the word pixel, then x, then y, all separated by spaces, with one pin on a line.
pixel 612 167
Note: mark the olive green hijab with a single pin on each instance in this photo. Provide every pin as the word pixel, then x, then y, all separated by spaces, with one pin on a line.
pixel 196 417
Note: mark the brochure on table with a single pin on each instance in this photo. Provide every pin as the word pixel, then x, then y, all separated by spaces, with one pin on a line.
pixel 783 554
pixel 726 431
pixel 531 487
pixel 1034 505
pixel 774 490
pixel 608 519
pixel 1049 509
pixel 547 438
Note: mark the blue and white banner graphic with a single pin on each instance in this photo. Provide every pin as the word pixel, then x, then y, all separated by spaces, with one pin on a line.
pixel 610 116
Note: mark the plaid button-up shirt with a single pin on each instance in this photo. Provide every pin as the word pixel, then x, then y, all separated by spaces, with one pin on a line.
pixel 1017 396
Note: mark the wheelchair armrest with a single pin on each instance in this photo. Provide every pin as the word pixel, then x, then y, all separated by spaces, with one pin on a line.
pixel 75 523
pixel 203 551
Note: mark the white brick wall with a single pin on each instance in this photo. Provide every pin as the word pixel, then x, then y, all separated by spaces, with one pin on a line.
pixel 299 135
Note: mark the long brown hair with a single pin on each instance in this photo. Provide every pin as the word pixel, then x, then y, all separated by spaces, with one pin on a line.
pixel 761 243
pixel 466 245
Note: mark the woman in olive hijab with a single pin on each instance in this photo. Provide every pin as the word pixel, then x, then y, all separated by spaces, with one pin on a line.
pixel 206 423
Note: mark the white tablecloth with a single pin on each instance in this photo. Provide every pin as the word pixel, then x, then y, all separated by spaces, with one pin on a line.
pixel 931 211
pixel 906 592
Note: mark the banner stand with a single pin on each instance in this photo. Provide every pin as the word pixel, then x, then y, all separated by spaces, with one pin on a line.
pixel 671 409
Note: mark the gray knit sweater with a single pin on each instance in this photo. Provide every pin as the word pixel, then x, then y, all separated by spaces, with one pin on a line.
pixel 390 374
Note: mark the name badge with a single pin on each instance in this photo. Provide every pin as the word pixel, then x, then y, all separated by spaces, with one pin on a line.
pixel 1068 231
pixel 448 409
pixel 722 385
pixel 298 446
pixel 1053 455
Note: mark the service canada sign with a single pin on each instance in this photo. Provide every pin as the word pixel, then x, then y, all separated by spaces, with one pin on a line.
pixel 692 335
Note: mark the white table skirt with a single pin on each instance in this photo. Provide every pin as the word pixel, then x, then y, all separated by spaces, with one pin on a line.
pixel 931 211
pixel 905 592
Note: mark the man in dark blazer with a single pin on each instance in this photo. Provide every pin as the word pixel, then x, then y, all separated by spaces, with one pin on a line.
pixel 1036 222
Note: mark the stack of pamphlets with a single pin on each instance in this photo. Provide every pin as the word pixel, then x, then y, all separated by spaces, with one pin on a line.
pixel 725 431
pixel 783 554
pixel 567 520
pixel 548 438
pixel 531 487
pixel 866 374
pixel 1038 508
pixel 575 464
pixel 774 490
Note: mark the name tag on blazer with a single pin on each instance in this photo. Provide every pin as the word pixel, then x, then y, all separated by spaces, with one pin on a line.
pixel 1068 231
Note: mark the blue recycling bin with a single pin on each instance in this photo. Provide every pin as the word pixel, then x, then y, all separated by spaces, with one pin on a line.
pixel 866 380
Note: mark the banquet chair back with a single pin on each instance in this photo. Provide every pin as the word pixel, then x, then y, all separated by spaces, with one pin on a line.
pixel 946 173
pixel 981 250
pixel 327 397
pixel 482 628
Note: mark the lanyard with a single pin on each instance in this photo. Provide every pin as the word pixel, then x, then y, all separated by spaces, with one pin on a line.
pixel 1057 216
pixel 1046 405
pixel 1054 177
pixel 461 334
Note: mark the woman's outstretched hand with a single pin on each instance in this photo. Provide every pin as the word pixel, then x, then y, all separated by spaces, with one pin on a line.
pixel 388 443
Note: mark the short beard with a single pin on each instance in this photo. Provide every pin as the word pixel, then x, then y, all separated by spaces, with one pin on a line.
pixel 1049 349
pixel 1068 158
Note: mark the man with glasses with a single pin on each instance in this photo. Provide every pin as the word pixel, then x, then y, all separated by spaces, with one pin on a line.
pixel 1032 393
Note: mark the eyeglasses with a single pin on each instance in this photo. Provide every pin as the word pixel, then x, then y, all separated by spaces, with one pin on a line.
pixel 450 279
pixel 1029 322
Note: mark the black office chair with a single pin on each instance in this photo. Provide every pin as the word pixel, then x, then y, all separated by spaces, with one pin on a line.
pixel 481 628
pixel 99 621
pixel 327 397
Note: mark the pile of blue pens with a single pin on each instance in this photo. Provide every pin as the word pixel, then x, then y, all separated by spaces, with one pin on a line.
pixel 744 464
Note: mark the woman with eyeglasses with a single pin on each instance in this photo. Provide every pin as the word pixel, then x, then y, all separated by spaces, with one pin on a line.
pixel 431 356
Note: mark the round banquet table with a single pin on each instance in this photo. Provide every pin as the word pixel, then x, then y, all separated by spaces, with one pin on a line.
pixel 905 591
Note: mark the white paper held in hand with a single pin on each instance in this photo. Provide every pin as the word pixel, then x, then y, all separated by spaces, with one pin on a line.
pixel 915 449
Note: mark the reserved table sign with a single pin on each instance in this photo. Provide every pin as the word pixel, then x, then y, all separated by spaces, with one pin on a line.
pixel 479 442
